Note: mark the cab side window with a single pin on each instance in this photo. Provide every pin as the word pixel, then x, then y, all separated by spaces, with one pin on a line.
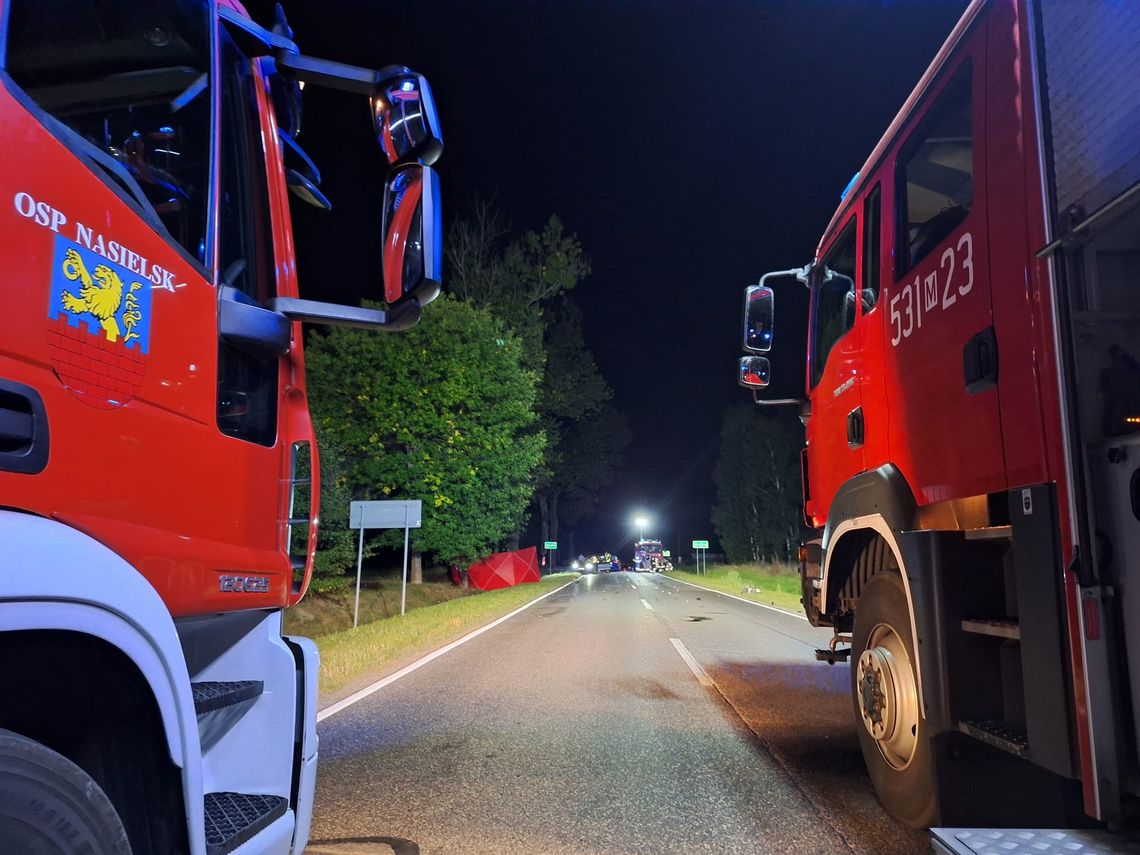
pixel 247 385
pixel 833 299
pixel 872 219
pixel 936 174
pixel 131 101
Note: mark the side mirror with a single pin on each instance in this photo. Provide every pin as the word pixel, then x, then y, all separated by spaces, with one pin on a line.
pixel 755 371
pixel 759 306
pixel 403 113
pixel 412 258
pixel 413 235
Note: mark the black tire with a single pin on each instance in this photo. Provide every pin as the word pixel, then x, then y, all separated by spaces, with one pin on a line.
pixel 48 805
pixel 903 779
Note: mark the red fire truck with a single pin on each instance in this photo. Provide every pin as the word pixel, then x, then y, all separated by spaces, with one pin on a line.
pixel 971 475
pixel 158 470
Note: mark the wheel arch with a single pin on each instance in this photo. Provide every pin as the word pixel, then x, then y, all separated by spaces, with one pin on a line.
pixel 76 595
pixel 87 699
pixel 862 538
pixel 878 503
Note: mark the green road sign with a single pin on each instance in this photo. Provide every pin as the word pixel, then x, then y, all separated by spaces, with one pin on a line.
pixel 550 544
pixel 665 553
pixel 700 544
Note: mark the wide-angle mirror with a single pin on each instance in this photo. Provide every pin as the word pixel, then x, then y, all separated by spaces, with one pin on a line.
pixel 413 235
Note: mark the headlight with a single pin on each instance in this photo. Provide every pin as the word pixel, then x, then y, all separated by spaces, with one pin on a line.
pixel 589 566
pixel 573 565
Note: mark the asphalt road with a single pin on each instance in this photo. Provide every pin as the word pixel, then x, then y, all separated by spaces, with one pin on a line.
pixel 578 727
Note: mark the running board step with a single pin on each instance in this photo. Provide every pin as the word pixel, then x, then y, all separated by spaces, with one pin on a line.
pixel 998 734
pixel 234 818
pixel 996 628
pixel 221 705
pixel 990 532
pixel 212 696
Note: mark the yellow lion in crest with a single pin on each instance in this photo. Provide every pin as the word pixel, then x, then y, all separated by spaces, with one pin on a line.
pixel 100 294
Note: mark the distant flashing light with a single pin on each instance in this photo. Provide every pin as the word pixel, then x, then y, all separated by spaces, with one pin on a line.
pixel 850 184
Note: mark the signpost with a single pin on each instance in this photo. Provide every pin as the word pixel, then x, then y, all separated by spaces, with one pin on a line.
pixel 551 546
pixel 701 546
pixel 391 514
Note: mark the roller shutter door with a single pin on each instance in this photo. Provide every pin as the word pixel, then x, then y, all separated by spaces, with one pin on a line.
pixel 1091 60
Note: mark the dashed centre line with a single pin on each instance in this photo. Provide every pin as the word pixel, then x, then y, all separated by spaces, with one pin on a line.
pixel 694 666
pixel 644 603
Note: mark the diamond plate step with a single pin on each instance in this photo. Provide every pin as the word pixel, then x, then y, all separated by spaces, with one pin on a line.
pixel 212 696
pixel 998 734
pixel 234 818
pixel 1029 841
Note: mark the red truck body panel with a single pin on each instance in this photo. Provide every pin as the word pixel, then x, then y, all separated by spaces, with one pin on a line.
pixel 136 457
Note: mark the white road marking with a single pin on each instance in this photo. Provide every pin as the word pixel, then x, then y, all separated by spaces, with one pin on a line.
pixel 750 602
pixel 419 663
pixel 694 666
pixel 647 605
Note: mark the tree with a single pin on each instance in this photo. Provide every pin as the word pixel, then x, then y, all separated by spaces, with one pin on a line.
pixel 757 475
pixel 525 284
pixel 472 250
pixel 443 412
pixel 586 435
pixel 518 281
pixel 591 453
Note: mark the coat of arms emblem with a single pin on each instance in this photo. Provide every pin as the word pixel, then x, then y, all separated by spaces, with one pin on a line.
pixel 99 335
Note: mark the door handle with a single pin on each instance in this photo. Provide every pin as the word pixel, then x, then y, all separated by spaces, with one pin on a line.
pixel 855 428
pixel 980 361
pixel 23 429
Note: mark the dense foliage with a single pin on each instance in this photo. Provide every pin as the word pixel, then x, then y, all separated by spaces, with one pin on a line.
pixel 757 514
pixel 524 282
pixel 444 413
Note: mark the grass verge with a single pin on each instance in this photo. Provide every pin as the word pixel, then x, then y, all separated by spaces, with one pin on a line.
pixel 772 584
pixel 328 609
pixel 353 658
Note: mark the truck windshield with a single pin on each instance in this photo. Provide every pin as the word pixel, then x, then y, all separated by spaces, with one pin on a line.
pixel 129 80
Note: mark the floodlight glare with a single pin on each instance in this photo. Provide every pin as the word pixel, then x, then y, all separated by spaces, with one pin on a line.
pixel 641 522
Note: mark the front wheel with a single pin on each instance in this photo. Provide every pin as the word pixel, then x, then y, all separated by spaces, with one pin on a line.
pixel 49 806
pixel 884 688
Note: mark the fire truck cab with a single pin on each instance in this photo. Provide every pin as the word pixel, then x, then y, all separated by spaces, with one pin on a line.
pixel 971 474
pixel 158 469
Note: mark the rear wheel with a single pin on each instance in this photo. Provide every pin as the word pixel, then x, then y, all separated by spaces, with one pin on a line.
pixel 884 688
pixel 49 806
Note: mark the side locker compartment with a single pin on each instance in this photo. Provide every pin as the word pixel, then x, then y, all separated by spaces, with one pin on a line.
pixel 1088 60
pixel 970 622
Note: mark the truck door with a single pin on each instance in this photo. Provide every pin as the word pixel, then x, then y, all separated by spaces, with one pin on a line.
pixel 121 234
pixel 940 355
pixel 835 431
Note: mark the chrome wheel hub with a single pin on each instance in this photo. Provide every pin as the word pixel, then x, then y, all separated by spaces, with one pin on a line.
pixel 888 696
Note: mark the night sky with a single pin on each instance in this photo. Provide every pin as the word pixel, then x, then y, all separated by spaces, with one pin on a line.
pixel 692 146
